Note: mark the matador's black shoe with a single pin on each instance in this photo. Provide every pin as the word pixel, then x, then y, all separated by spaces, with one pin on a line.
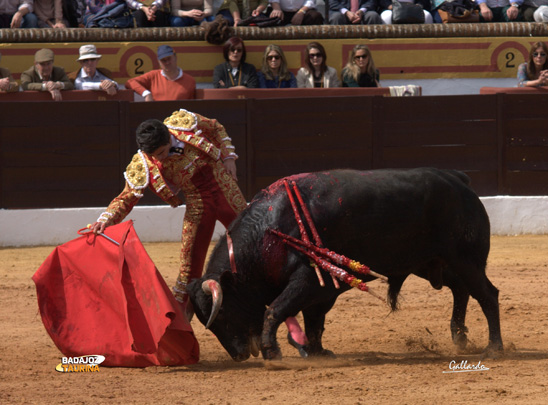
pixel 297 346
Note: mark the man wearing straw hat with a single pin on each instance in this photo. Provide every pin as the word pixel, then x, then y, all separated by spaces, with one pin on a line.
pixel 43 76
pixel 90 77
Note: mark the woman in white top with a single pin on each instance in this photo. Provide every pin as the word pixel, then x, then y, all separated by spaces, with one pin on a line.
pixel 315 72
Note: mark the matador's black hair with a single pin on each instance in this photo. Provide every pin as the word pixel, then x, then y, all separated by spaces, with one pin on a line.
pixel 151 134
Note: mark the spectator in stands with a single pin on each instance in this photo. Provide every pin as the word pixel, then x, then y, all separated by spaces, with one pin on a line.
pixel 50 14
pixel 186 13
pixel 112 14
pixel 235 11
pixel 500 10
pixel 343 12
pixel 7 82
pixel 148 13
pixel 534 72
pixel 93 7
pixel 315 72
pixel 234 72
pixel 386 7
pixel 43 76
pixel 17 14
pixel 360 71
pixel 167 83
pixel 535 10
pixel 274 73
pixel 90 77
pixel 73 11
pixel 296 12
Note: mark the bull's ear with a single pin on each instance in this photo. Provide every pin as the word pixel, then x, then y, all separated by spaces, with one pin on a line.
pixel 226 279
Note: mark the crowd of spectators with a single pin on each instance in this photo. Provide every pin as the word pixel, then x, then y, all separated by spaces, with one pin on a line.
pixel 185 13
pixel 171 83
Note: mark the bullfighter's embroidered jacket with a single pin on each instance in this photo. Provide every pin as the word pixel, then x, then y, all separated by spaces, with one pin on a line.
pixel 206 143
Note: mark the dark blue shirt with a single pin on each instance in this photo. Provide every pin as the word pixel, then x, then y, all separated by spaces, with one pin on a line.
pixel 276 84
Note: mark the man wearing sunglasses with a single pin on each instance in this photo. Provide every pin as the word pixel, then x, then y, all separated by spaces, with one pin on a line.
pixel 90 77
pixel 296 12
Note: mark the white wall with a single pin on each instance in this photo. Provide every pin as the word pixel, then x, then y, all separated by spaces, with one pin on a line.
pixel 508 215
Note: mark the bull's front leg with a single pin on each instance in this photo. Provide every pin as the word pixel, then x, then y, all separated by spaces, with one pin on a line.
pixel 269 344
pixel 289 303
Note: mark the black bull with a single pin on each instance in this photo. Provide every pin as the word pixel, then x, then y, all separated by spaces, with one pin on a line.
pixel 426 222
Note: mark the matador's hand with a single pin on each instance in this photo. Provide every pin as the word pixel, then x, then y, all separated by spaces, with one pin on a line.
pixel 230 166
pixel 97 227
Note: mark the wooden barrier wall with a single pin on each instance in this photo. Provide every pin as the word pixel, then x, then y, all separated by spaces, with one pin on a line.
pixel 73 154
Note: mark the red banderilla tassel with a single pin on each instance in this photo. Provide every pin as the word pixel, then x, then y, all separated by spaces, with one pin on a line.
pixel 324 264
pixel 332 269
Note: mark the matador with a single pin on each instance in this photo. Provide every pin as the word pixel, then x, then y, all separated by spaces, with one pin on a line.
pixel 191 154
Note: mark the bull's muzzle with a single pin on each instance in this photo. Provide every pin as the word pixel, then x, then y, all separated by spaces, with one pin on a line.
pixel 213 288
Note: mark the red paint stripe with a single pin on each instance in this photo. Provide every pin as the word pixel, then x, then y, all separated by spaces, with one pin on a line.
pixel 56 51
pixel 108 51
pixel 219 49
pixel 19 52
pixel 427 47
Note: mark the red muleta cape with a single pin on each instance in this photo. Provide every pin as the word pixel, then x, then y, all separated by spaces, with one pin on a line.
pixel 99 298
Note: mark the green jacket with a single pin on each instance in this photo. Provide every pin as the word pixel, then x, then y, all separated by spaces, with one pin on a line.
pixel 30 79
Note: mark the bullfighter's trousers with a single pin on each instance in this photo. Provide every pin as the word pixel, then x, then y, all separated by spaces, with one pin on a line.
pixel 211 194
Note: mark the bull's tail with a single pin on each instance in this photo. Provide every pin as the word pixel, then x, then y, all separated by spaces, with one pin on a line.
pixel 394 286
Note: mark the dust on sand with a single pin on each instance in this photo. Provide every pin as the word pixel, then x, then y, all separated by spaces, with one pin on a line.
pixel 382 357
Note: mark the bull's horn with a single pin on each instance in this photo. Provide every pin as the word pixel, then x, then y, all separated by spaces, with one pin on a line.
pixel 189 311
pixel 254 345
pixel 213 288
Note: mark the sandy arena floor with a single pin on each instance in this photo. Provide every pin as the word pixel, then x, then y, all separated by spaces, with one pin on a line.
pixel 382 358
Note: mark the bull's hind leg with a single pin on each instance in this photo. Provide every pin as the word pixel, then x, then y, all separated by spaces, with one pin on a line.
pixel 460 303
pixel 475 281
pixel 487 296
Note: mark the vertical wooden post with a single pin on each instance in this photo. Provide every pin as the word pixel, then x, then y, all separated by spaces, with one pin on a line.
pixel 502 169
pixel 376 158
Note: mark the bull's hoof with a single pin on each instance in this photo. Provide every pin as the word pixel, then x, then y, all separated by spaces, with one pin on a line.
pixel 326 353
pixel 493 351
pixel 299 347
pixel 270 353
pixel 460 339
